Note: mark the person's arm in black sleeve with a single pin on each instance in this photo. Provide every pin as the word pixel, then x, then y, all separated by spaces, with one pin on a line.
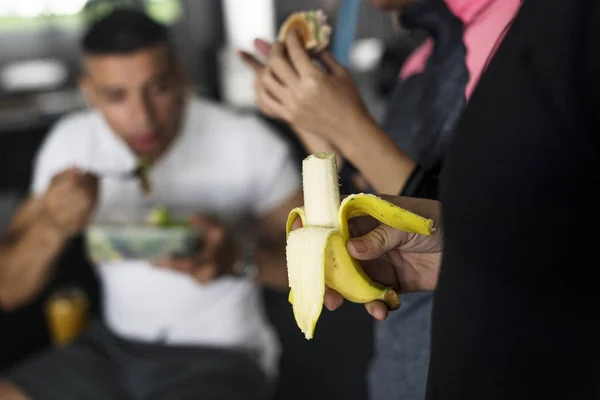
pixel 589 62
pixel 422 183
pixel 347 173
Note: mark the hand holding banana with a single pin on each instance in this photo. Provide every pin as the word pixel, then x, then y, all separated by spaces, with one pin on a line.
pixel 406 261
pixel 401 256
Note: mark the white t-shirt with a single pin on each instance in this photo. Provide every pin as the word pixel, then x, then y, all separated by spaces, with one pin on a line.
pixel 221 163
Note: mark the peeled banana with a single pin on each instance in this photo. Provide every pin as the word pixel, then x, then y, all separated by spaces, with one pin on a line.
pixel 316 253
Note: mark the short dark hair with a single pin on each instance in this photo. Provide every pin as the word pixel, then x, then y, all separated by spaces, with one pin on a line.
pixel 123 31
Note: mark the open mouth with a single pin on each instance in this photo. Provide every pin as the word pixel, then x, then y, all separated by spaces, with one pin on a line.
pixel 145 141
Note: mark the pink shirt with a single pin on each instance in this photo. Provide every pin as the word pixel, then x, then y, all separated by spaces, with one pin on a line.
pixel 485 26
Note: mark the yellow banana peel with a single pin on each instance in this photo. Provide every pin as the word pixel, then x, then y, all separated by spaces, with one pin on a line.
pixel 317 255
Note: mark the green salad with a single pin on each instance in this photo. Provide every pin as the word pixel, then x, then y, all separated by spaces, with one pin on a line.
pixel 159 216
pixel 159 236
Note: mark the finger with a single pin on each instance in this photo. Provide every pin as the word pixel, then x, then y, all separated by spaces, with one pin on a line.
pixel 251 61
pixel 213 236
pixel 204 223
pixel 297 224
pixel 333 300
pixel 205 273
pixel 298 55
pixel 270 105
pixel 162 263
pixel 359 226
pixel 275 88
pixel 377 310
pixel 376 243
pixel 178 264
pixel 332 65
pixel 280 65
pixel 381 271
pixel 262 47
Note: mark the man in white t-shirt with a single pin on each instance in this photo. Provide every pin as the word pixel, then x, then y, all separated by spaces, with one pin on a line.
pixel 184 328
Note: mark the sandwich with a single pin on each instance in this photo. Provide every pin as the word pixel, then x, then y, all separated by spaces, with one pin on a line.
pixel 312 28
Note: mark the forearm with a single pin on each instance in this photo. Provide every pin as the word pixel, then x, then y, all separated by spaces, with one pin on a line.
pixel 383 164
pixel 26 261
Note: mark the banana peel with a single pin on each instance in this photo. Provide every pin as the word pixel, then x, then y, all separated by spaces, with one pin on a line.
pixel 342 273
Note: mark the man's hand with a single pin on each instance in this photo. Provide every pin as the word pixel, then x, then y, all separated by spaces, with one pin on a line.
pixel 312 142
pixel 70 200
pixel 405 261
pixel 319 100
pixel 217 256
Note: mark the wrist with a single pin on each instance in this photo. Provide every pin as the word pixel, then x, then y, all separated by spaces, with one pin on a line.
pixel 381 162
pixel 360 133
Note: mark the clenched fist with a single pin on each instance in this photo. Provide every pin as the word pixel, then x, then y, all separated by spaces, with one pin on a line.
pixel 70 200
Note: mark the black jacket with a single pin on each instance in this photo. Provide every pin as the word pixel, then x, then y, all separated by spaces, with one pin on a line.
pixel 516 314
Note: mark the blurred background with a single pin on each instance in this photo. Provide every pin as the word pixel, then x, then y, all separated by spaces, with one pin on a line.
pixel 38 84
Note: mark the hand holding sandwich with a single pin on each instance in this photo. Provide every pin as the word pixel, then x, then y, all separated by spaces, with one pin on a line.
pixel 324 101
pixel 312 142
pixel 322 104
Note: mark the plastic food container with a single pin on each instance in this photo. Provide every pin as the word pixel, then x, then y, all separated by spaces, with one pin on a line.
pixel 152 240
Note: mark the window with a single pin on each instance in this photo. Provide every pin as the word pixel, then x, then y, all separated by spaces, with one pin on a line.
pixel 24 15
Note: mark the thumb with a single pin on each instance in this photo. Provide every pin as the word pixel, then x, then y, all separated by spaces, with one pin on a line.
pixel 329 62
pixel 376 243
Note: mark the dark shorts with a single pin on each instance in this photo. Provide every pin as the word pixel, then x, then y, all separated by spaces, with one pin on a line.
pixel 102 366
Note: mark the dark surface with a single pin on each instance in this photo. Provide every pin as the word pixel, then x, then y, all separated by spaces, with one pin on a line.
pixel 516 308
pixel 333 365
pixel 102 366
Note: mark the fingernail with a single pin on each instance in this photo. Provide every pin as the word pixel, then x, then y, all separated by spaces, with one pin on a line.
pixel 358 246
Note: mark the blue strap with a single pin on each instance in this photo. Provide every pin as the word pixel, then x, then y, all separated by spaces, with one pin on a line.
pixel 345 28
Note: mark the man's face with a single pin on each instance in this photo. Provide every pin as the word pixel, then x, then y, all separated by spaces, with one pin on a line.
pixel 391 5
pixel 139 94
